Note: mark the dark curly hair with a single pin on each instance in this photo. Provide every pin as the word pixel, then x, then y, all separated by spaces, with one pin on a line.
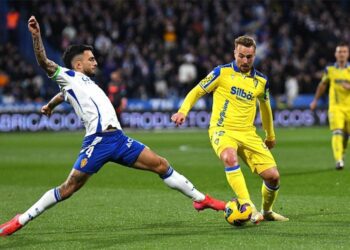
pixel 73 51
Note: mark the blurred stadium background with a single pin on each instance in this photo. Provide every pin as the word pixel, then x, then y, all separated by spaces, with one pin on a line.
pixel 151 53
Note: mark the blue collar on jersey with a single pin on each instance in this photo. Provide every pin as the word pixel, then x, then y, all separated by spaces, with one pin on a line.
pixel 337 66
pixel 235 67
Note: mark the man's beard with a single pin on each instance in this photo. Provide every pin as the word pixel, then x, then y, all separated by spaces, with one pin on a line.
pixel 90 74
pixel 245 69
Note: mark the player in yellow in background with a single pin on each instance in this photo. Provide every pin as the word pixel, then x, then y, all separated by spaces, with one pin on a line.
pixel 338 78
pixel 236 88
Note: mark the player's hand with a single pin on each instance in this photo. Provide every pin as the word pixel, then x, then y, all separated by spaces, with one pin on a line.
pixel 46 110
pixel 33 26
pixel 270 143
pixel 178 118
pixel 313 105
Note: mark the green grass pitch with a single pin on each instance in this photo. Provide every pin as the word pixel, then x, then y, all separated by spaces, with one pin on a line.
pixel 121 208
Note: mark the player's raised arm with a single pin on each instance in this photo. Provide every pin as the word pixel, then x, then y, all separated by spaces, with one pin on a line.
pixel 49 66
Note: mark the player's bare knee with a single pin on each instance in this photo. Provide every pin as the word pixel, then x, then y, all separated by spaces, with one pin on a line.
pixel 163 166
pixel 273 178
pixel 159 165
pixel 229 158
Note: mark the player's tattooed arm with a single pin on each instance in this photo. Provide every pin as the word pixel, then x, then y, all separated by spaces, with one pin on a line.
pixel 56 100
pixel 50 106
pixel 49 66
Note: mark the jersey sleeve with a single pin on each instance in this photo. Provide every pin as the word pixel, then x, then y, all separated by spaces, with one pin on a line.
pixel 63 76
pixel 265 96
pixel 267 119
pixel 191 98
pixel 325 76
pixel 210 82
pixel 266 112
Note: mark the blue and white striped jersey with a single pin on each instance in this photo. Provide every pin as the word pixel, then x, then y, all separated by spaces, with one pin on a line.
pixel 88 100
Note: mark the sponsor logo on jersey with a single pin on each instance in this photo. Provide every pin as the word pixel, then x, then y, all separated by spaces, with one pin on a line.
pixel 223 114
pixel 241 93
pixel 87 80
pixel 207 79
pixel 342 81
pixel 83 162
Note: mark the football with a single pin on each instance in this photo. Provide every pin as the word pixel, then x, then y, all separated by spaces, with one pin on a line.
pixel 237 214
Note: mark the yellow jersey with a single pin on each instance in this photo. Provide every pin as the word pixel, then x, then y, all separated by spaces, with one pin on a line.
pixel 339 97
pixel 235 96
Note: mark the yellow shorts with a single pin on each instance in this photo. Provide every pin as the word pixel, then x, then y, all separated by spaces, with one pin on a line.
pixel 339 119
pixel 250 147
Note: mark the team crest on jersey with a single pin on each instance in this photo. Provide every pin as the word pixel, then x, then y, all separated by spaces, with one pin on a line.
pixel 83 162
pixel 255 81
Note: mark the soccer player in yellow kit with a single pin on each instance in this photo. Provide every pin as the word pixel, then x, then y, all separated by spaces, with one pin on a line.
pixel 236 88
pixel 338 78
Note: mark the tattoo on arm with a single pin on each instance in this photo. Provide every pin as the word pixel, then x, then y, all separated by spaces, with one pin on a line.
pixel 56 100
pixel 49 66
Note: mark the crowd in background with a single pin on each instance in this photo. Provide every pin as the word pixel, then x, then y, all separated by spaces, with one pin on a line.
pixel 18 80
pixel 162 48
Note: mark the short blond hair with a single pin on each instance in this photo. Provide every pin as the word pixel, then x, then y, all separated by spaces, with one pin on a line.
pixel 246 41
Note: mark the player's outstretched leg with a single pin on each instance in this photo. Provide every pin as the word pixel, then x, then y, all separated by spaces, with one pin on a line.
pixel 269 192
pixel 148 160
pixel 49 199
pixel 74 182
pixel 209 202
pixel 10 227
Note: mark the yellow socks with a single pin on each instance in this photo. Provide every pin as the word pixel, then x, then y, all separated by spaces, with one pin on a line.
pixel 337 145
pixel 236 180
pixel 345 141
pixel 269 195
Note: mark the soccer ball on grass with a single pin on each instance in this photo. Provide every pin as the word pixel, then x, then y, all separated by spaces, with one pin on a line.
pixel 237 214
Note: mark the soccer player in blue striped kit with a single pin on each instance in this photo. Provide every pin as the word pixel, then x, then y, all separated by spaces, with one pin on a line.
pixel 104 140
